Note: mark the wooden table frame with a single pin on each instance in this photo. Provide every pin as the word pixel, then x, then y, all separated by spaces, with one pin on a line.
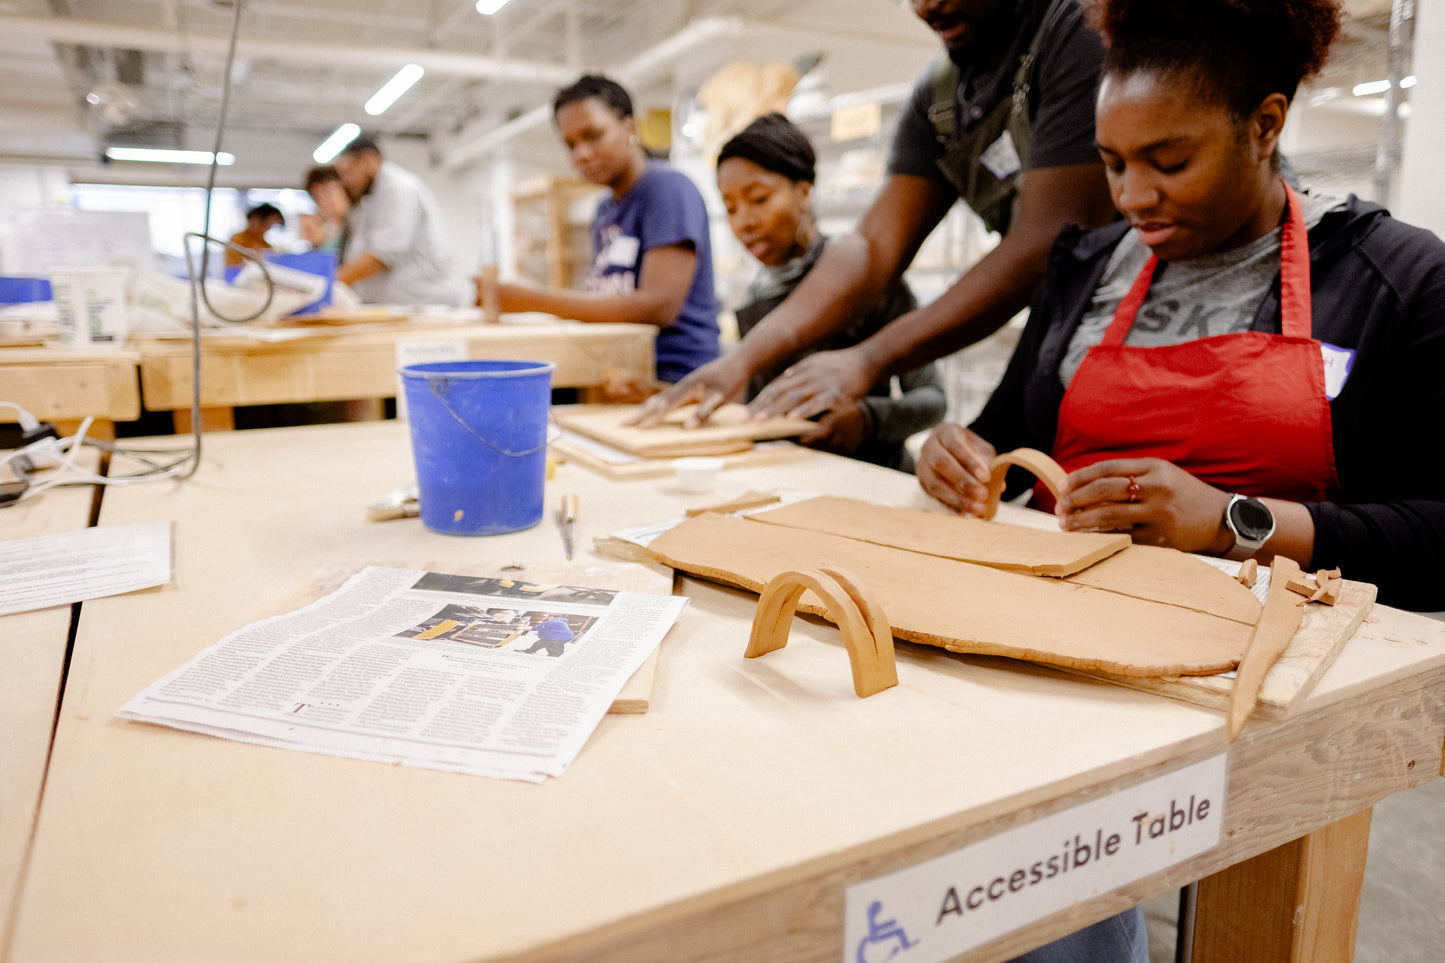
pixel 1283 883
pixel 67 385
pixel 359 362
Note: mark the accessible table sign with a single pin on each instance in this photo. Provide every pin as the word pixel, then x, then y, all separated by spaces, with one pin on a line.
pixel 961 900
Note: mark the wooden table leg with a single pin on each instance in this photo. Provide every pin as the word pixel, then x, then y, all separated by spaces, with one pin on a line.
pixel 1299 903
pixel 212 419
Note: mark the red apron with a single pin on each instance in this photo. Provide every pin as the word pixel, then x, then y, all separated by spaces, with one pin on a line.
pixel 1243 412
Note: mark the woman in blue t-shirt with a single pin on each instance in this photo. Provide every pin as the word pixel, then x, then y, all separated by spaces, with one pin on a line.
pixel 652 260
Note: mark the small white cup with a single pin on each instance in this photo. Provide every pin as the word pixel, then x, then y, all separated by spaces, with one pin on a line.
pixel 697 474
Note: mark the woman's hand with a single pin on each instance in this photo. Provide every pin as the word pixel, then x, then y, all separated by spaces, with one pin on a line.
pixel 1156 502
pixel 715 383
pixel 954 468
pixel 841 431
pixel 510 296
pixel 820 382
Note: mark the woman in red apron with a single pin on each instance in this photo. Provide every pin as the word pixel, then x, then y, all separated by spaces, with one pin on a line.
pixel 1307 429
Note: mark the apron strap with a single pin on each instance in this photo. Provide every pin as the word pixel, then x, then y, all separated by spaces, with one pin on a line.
pixel 1294 271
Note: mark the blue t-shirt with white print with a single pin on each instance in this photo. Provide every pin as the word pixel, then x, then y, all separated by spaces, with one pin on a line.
pixel 662 209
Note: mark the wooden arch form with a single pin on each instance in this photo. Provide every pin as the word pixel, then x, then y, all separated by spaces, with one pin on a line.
pixel 866 633
pixel 1044 468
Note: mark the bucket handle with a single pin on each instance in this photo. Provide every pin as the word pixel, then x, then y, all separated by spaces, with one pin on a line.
pixel 431 386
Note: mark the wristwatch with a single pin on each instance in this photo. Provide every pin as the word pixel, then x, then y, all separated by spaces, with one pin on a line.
pixel 1252 523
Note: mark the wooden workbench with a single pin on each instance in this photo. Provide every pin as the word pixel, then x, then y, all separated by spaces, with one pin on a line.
pixel 70 384
pixel 724 824
pixel 32 660
pixel 342 363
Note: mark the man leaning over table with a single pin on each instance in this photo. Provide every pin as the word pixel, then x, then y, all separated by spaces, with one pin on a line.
pixel 397 252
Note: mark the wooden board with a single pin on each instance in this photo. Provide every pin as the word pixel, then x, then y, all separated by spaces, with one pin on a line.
pixel 753 457
pixel 1029 550
pixel 728 430
pixel 1313 649
pixel 964 607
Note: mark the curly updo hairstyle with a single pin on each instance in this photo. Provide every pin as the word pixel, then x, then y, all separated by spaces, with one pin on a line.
pixel 1235 52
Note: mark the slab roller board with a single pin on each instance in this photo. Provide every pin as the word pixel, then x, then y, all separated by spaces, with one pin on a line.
pixel 1323 632
pixel 730 429
pixel 965 607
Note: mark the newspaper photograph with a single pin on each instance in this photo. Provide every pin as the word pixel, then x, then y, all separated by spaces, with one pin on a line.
pixel 488 676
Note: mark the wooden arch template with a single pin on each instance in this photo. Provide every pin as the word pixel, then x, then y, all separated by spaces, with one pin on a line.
pixel 1044 468
pixel 866 633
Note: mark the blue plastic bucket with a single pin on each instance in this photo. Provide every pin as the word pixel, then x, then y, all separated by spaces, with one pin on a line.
pixel 479 438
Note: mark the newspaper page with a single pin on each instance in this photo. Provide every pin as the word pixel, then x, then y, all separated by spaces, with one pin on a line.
pixel 488 676
pixel 91 563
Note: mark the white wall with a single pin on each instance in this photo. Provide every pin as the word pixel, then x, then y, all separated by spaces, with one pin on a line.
pixel 1421 201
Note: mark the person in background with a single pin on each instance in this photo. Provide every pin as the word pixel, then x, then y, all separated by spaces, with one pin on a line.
pixel 1011 94
pixel 1224 372
pixel 765 175
pixel 331 229
pixel 259 220
pixel 652 257
pixel 397 253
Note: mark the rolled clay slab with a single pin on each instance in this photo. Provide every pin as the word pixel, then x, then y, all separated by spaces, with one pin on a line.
pixel 965 607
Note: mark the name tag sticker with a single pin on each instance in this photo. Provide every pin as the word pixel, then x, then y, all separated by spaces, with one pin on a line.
pixel 622 251
pixel 953 903
pixel 1338 362
pixel 1002 158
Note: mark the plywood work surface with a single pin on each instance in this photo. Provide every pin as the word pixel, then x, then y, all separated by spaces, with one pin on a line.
pixel 1324 632
pixel 728 430
pixel 962 537
pixel 965 607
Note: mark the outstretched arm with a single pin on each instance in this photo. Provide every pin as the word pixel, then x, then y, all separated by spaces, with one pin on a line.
pixel 662 285
pixel 978 304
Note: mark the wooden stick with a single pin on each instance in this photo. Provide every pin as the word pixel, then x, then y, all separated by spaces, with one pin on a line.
pixel 1248 573
pixel 866 633
pixel 745 500
pixel 1044 468
pixel 1277 624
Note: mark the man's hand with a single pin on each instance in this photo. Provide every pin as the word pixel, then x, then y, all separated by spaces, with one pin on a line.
pixel 841 431
pixel 826 381
pixel 954 468
pixel 715 383
pixel 1156 502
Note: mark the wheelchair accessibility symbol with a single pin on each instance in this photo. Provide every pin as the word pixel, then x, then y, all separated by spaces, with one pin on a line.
pixel 885 939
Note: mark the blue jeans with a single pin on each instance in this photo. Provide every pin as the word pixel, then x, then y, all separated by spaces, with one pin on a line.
pixel 1118 939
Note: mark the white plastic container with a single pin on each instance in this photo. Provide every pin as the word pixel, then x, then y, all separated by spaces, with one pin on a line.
pixel 90 306
pixel 698 474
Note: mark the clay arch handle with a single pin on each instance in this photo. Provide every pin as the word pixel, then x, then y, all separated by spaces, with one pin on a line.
pixel 1044 468
pixel 866 633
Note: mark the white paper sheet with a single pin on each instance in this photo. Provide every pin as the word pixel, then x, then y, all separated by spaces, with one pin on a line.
pixel 425 669
pixel 37 573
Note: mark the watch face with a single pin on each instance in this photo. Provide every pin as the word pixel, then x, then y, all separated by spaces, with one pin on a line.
pixel 1252 520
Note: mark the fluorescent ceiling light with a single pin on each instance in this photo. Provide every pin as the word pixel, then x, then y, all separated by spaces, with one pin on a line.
pixel 490 7
pixel 332 145
pixel 393 89
pixel 1380 86
pixel 160 156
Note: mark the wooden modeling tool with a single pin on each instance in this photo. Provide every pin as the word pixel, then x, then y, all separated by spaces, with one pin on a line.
pixel 1044 468
pixel 745 500
pixel 866 633
pixel 1278 622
